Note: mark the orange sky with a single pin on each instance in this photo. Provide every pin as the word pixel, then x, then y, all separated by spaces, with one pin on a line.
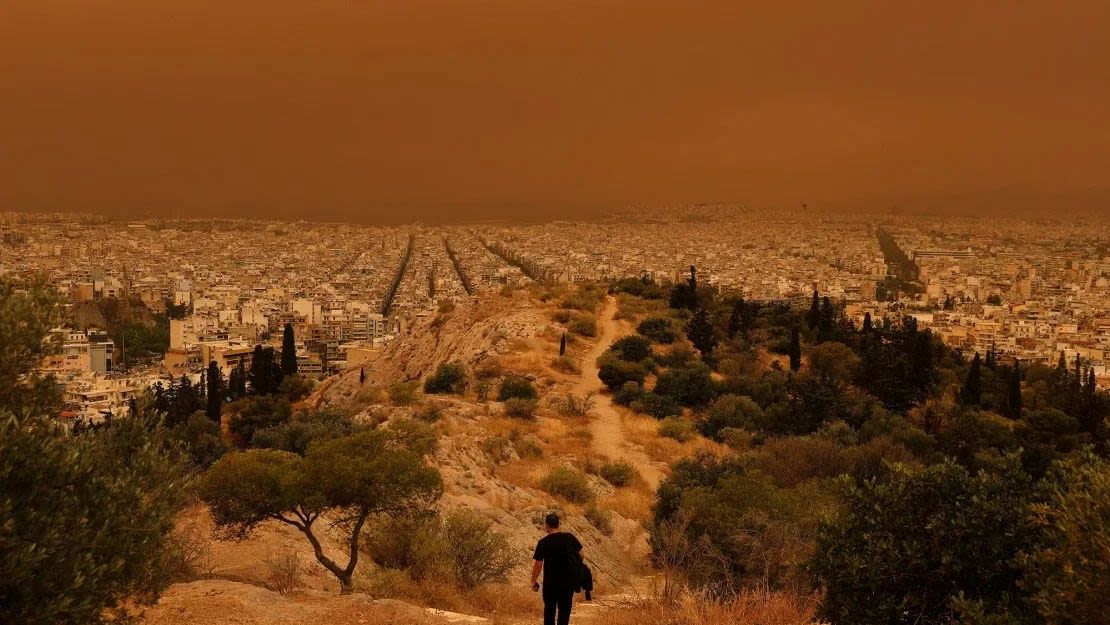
pixel 395 110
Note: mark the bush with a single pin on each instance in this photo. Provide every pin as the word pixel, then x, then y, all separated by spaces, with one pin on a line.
pixel 528 446
pixel 599 517
pixel 295 387
pixel 905 548
pixel 479 555
pixel 619 473
pixel 461 546
pixel 498 448
pixel 689 385
pixel 656 405
pixel 404 393
pixel 632 348
pixel 566 364
pixel 614 372
pixel 303 429
pixel 731 411
pixel 520 408
pixel 201 438
pixel 419 436
pixel 450 377
pixel 658 329
pixel 570 405
pixel 257 413
pixel 562 315
pixel 284 571
pixel 583 325
pixel 677 428
pixel 628 393
pixel 569 484
pixel 516 387
pixel 84 533
pixel 1069 572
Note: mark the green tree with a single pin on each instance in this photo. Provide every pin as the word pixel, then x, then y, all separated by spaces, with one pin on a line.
pixel 84 519
pixel 813 317
pixel 700 332
pixel 348 479
pixel 972 389
pixel 731 411
pixel 1013 392
pixel 288 351
pixel 1068 573
pixel 256 413
pixel 905 548
pixel 633 348
pixel 795 349
pixel 615 373
pixel 216 391
pixel 516 387
pixel 658 329
pixel 26 317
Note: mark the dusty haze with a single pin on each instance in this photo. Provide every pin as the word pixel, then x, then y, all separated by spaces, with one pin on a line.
pixel 414 109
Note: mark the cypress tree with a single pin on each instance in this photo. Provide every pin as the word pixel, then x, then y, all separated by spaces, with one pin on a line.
pixel 1014 394
pixel 795 349
pixel 700 332
pixel 261 378
pixel 241 383
pixel 288 351
pixel 692 289
pixel 992 360
pixel 868 325
pixel 362 375
pixel 972 390
pixel 828 317
pixel 563 344
pixel 734 317
pixel 215 400
pixel 813 317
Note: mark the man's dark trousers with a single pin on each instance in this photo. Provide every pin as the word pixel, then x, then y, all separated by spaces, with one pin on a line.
pixel 558 601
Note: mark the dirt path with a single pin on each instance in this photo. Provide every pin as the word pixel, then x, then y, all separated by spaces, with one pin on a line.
pixel 605 424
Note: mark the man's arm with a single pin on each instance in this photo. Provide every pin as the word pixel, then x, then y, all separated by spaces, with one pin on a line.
pixel 537 566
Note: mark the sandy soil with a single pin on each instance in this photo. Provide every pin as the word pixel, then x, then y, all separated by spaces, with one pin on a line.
pixel 605 424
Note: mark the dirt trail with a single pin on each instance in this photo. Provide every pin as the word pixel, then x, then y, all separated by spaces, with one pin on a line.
pixel 605 424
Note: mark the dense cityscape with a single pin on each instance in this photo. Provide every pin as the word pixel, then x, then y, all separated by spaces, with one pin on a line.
pixel 189 292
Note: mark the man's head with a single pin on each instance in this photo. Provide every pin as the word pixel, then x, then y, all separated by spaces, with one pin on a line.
pixel 551 522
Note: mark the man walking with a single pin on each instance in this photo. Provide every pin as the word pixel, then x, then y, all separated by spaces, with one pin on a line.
pixel 559 556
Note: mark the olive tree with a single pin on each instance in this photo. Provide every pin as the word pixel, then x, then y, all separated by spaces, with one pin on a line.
pixel 348 479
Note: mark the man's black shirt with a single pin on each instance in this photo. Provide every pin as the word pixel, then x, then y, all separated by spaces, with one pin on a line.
pixel 559 552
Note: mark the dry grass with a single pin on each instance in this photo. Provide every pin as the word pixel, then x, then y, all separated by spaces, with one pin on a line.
pixel 501 603
pixel 755 607
pixel 644 431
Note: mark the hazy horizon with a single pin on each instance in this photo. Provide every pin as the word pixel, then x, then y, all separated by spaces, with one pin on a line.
pixel 391 112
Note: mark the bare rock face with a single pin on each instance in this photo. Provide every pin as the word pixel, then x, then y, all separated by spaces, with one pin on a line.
pixel 468 334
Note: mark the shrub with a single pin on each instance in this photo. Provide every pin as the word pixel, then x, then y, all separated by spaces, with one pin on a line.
pixel 658 329
pixel 528 446
pixel 303 429
pixel 690 385
pixel 677 428
pixel 570 405
pixel 498 448
pixel 566 364
pixel 1069 572
pixel 632 348
pixel 520 408
pixel 562 315
pixel 419 436
pixel 284 571
pixel 479 555
pixel 583 325
pixel 450 377
pixel 906 547
pixel 201 438
pixel 257 413
pixel 628 393
pixel 429 413
pixel 516 387
pixel 404 393
pixel 83 532
pixel 295 387
pixel 731 411
pixel 614 372
pixel 568 483
pixel 599 517
pixel 618 473
pixel 656 405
